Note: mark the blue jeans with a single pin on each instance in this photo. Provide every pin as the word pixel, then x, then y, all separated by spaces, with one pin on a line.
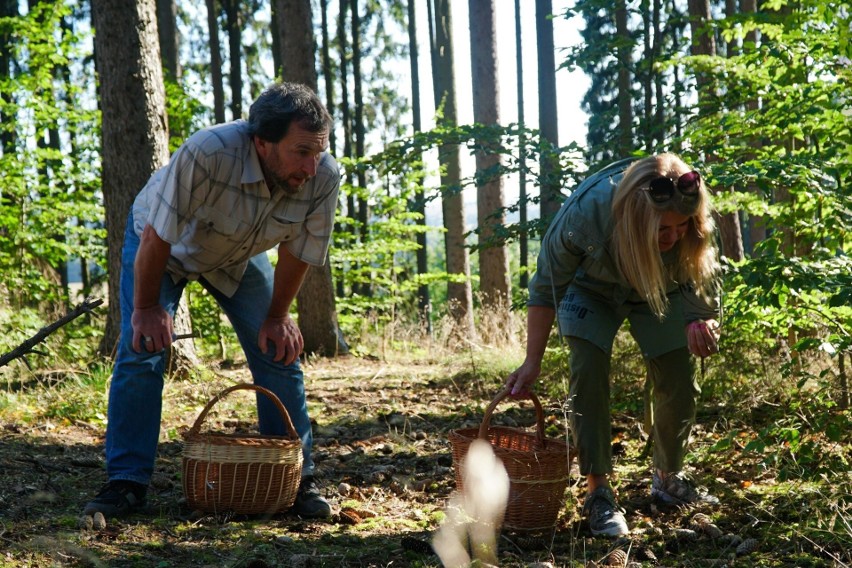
pixel 135 396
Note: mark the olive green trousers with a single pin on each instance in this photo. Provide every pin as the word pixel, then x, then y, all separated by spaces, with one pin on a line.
pixel 670 397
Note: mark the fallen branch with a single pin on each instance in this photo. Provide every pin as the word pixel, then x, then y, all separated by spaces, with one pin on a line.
pixel 28 345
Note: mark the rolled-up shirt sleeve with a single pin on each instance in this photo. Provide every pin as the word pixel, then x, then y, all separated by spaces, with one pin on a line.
pixel 698 306
pixel 312 244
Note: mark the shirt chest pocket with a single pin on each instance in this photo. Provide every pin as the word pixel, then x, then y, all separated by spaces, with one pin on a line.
pixel 214 222
pixel 280 231
pixel 596 263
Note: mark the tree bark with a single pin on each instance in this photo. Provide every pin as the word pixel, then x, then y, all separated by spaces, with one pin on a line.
pixel 169 39
pixel 328 73
pixel 756 223
pixel 625 96
pixel 134 124
pixel 363 207
pixel 298 50
pixel 547 115
pixel 523 239
pixel 215 64
pixel 8 9
pixel 315 301
pixel 703 43
pixel 424 302
pixel 233 26
pixel 459 295
pixel 494 285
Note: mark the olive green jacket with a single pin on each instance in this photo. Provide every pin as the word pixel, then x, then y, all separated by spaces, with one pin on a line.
pixel 575 253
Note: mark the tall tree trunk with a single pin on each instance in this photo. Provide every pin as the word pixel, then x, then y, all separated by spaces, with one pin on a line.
pixel 328 74
pixel 8 9
pixel 676 80
pixel 47 140
pixel 424 302
pixel 134 125
pixel 625 96
pixel 345 116
pixel 315 301
pixel 523 240
pixel 215 63
pixel 756 224
pixel 360 129
pixel 183 353
pixel 659 129
pixel 494 285
pixel 703 43
pixel 233 26
pixel 275 30
pixel 645 70
pixel 298 50
pixel 459 295
pixel 548 122
pixel 169 39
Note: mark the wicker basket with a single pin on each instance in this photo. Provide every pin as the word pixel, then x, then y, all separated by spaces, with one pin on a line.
pixel 538 467
pixel 249 475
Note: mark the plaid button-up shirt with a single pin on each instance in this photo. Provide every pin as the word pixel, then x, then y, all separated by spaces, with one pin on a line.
pixel 212 205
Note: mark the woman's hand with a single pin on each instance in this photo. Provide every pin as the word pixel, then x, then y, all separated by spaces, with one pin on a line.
pixel 519 382
pixel 702 337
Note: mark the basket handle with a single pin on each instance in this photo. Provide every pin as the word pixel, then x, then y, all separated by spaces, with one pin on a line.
pixel 539 415
pixel 245 386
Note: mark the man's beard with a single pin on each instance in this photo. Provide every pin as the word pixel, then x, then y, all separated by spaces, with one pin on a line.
pixel 277 183
pixel 280 184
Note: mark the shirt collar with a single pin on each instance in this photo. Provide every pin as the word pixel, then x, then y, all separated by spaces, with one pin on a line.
pixel 252 172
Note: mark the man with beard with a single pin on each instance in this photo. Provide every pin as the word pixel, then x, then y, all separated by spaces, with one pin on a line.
pixel 229 194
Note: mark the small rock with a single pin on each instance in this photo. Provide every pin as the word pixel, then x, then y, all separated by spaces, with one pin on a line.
pixel 420 435
pixel 344 489
pixel 284 540
pixel 85 522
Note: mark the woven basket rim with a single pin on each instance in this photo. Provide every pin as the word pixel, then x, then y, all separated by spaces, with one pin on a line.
pixel 554 445
pixel 222 438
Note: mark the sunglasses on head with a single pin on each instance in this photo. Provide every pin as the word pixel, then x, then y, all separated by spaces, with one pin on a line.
pixel 662 189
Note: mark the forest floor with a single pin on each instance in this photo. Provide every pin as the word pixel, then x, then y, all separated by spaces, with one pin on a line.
pixel 386 466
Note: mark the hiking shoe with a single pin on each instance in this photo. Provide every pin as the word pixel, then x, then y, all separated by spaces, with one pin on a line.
pixel 309 503
pixel 678 489
pixel 605 517
pixel 117 498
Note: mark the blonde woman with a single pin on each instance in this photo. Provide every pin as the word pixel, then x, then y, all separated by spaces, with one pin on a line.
pixel 633 242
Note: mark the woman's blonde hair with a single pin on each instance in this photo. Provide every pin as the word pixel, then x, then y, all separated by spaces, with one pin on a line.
pixel 636 226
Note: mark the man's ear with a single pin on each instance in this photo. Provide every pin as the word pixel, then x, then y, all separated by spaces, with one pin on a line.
pixel 262 146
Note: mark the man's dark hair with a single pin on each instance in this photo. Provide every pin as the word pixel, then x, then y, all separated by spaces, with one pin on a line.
pixel 282 104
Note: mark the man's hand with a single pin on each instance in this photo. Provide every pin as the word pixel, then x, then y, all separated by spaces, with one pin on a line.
pixel 520 381
pixel 702 337
pixel 152 329
pixel 285 335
